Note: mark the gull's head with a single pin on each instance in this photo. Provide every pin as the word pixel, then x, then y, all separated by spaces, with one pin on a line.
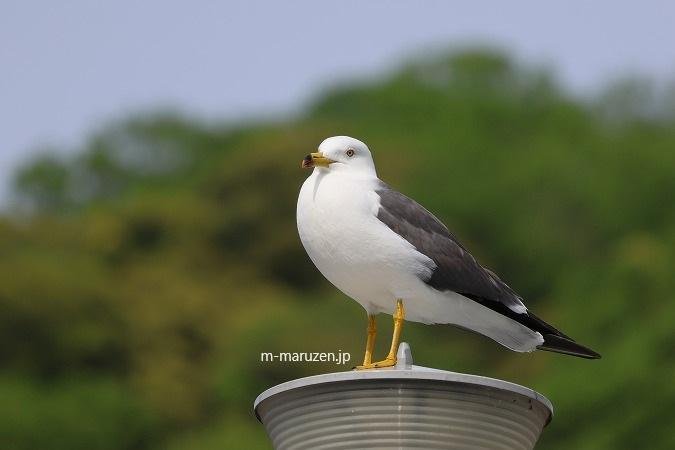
pixel 342 153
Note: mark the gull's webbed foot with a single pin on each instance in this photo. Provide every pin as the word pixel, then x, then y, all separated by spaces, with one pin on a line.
pixel 387 362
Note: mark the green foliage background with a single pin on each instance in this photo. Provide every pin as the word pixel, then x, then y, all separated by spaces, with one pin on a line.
pixel 142 277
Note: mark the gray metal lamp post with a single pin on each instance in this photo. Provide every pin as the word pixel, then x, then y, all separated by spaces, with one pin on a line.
pixel 402 407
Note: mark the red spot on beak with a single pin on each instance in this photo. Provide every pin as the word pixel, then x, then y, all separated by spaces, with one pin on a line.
pixel 307 163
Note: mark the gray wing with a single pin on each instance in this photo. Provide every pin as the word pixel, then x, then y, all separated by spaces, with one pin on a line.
pixel 456 269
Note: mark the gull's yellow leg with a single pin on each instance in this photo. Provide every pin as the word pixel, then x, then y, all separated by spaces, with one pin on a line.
pixel 370 341
pixel 399 316
pixel 390 360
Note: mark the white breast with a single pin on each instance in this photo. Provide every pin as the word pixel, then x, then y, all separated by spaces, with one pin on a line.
pixel 338 226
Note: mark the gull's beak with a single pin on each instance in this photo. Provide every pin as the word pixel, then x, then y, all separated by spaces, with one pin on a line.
pixel 315 160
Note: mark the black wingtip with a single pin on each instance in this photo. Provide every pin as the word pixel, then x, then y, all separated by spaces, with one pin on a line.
pixel 559 344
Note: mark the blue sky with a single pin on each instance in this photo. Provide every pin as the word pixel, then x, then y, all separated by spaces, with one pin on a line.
pixel 66 67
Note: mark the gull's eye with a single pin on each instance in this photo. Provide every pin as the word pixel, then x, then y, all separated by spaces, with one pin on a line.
pixel 350 152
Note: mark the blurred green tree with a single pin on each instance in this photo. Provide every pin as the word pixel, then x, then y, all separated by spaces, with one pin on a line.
pixel 142 277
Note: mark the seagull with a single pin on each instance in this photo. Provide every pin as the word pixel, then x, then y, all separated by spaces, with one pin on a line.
pixel 392 256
